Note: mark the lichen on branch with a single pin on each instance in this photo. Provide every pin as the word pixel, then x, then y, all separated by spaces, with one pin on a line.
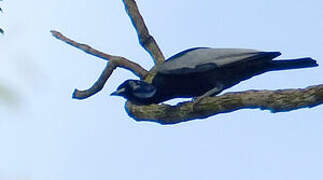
pixel 275 101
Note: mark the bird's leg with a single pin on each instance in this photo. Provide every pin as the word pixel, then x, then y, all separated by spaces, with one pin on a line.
pixel 217 89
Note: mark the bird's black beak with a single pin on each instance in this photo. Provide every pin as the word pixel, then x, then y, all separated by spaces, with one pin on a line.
pixel 114 93
pixel 118 92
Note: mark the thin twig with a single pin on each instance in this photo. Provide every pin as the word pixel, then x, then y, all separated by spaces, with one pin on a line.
pixel 145 39
pixel 117 60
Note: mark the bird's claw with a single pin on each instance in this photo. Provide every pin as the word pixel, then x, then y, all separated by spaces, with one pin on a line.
pixel 196 101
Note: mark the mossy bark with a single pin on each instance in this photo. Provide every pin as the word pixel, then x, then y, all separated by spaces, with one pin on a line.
pixel 275 101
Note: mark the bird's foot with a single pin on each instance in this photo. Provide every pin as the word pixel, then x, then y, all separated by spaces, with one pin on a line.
pixel 198 99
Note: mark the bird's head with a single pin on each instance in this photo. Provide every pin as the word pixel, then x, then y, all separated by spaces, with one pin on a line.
pixel 136 90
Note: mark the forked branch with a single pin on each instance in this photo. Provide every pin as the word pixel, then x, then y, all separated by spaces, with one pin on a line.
pixel 275 101
pixel 114 62
pixel 146 40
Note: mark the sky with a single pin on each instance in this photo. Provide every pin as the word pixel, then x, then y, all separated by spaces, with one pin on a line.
pixel 47 135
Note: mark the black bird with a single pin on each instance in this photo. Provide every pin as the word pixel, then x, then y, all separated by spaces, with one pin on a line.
pixel 201 72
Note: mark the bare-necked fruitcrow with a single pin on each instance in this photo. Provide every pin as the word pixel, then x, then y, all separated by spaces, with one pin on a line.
pixel 201 72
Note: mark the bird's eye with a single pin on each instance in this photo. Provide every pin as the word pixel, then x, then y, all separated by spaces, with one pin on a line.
pixel 136 86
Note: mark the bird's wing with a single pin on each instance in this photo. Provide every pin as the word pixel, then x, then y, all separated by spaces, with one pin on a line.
pixel 204 59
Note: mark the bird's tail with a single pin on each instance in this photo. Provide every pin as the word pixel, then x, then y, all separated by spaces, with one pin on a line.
pixel 292 64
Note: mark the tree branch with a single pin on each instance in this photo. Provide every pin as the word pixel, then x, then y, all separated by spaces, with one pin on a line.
pixel 275 101
pixel 114 62
pixel 117 60
pixel 145 39
pixel 97 86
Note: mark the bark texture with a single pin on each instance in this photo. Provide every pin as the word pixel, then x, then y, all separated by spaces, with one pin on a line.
pixel 274 101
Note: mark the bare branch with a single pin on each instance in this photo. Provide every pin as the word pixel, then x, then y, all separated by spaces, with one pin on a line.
pixel 117 60
pixel 98 85
pixel 114 62
pixel 145 39
pixel 275 101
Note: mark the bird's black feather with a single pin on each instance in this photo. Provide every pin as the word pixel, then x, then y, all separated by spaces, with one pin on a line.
pixel 196 71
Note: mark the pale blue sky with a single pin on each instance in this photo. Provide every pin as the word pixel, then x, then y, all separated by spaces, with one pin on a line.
pixel 47 135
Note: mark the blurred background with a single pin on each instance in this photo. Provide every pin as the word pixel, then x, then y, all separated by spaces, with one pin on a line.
pixel 47 135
